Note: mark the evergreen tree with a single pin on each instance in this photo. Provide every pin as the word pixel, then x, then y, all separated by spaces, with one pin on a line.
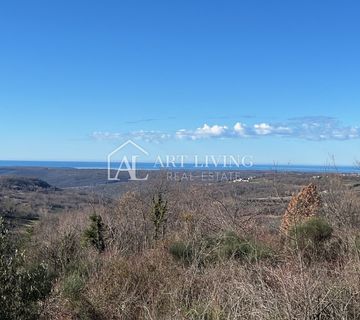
pixel 94 234
pixel 159 215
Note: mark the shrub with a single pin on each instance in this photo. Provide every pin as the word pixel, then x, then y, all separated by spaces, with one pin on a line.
pixel 200 312
pixel 314 231
pixel 182 252
pixel 230 245
pixel 355 245
pixel 68 250
pixel 94 235
pixel 311 238
pixel 73 285
pixel 225 246
pixel 21 286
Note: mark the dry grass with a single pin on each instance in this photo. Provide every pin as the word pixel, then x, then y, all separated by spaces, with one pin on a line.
pixel 138 278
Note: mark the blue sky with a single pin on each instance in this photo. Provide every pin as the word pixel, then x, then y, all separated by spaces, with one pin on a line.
pixel 278 80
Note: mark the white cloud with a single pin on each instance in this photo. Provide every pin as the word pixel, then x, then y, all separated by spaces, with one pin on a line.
pixel 322 128
pixel 210 131
pixel 240 129
pixel 149 136
pixel 100 135
pixel 205 131
pixel 308 128
pixel 263 129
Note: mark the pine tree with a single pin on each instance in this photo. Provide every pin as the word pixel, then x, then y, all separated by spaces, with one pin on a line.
pixel 94 234
pixel 159 215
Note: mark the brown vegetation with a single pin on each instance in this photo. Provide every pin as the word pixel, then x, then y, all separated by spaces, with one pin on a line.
pixel 305 204
pixel 196 251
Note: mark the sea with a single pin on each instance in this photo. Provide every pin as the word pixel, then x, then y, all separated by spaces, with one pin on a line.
pixel 188 166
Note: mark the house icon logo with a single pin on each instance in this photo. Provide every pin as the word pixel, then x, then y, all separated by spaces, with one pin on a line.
pixel 118 161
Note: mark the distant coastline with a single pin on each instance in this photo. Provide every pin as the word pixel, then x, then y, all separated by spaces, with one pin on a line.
pixel 150 166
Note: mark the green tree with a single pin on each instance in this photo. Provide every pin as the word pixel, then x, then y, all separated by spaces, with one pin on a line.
pixel 95 233
pixel 159 215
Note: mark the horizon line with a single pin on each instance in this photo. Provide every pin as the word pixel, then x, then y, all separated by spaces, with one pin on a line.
pixel 190 163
